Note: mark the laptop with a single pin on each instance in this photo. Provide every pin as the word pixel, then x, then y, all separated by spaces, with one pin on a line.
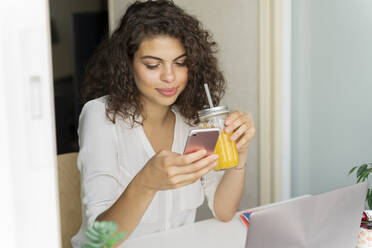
pixel 327 220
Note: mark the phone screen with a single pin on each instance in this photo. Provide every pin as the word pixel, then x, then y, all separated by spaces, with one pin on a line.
pixel 199 139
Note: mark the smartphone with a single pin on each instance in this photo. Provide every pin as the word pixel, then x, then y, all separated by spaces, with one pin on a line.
pixel 199 139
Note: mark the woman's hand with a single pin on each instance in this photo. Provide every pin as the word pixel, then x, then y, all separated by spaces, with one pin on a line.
pixel 242 130
pixel 169 170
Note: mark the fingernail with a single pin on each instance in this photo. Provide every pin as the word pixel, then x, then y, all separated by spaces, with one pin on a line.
pixel 214 164
pixel 214 156
pixel 233 137
pixel 227 130
pixel 227 122
pixel 203 152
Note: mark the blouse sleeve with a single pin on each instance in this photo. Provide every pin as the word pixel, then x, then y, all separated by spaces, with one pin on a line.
pixel 101 177
pixel 210 182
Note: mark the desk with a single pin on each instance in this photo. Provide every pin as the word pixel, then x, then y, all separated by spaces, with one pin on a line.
pixel 207 233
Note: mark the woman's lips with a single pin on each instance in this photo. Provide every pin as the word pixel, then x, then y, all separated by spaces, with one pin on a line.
pixel 167 91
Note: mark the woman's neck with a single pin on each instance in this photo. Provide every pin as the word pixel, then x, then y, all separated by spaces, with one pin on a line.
pixel 157 115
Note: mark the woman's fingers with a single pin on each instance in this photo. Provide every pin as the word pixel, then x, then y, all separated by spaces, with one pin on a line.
pixel 165 166
pixel 193 167
pixel 189 158
pixel 185 179
pixel 232 118
pixel 240 131
pixel 246 138
pixel 237 119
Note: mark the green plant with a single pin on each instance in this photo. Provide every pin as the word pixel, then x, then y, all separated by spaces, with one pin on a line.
pixel 362 173
pixel 101 235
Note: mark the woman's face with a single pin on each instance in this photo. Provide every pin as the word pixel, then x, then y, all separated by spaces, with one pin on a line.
pixel 160 71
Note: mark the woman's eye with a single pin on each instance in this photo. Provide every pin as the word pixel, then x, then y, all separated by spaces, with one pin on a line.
pixel 151 67
pixel 181 64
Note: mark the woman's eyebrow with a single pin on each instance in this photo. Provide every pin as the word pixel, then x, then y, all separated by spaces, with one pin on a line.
pixel 156 58
pixel 182 55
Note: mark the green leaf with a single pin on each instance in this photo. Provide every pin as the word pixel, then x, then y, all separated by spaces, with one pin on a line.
pixel 369 200
pixel 101 234
pixel 91 245
pixel 352 169
pixel 366 175
pixel 106 227
pixel 362 177
pixel 362 173
pixel 361 169
pixel 92 234
pixel 115 239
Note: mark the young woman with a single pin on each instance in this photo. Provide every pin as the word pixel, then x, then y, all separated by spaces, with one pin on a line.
pixel 142 93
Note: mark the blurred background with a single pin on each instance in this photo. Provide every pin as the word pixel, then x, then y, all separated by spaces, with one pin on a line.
pixel 331 92
pixel 77 27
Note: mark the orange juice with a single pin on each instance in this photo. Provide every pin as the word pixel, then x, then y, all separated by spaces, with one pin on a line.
pixel 226 150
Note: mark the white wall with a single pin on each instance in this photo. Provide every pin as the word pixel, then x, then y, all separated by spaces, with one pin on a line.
pixel 28 179
pixel 234 27
pixel 331 92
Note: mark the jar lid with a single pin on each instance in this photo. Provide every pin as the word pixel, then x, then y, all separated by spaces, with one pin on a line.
pixel 213 111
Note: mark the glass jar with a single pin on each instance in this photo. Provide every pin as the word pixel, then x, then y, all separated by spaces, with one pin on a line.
pixel 225 148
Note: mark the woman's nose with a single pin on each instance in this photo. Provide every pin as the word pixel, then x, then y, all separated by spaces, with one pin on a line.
pixel 168 74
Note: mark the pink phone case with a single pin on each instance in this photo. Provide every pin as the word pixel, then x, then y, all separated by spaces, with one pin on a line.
pixel 198 139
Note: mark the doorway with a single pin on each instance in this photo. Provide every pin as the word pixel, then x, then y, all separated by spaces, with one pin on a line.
pixel 77 27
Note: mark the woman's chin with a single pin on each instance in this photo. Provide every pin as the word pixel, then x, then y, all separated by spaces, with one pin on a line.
pixel 169 102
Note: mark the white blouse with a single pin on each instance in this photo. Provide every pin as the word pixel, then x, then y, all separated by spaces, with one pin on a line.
pixel 112 154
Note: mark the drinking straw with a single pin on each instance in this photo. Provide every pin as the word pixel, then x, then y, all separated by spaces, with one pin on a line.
pixel 208 95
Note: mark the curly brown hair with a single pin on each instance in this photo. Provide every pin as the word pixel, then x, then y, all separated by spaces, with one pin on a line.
pixel 110 71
